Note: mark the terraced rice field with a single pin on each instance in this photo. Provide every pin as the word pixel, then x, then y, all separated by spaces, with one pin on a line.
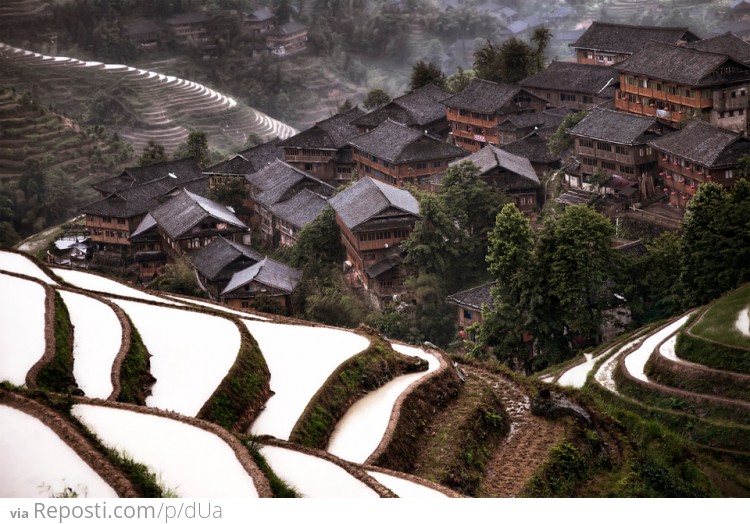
pixel 155 107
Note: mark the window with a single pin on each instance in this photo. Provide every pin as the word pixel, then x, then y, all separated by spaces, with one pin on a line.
pixel 120 220
pixel 728 174
pixel 421 165
pixel 437 163
pixel 107 220
pixel 585 142
pixel 621 150
pixel 467 314
pixel 564 97
pixel 628 170
pixel 608 165
pixel 587 161
pixel 603 146
pixel 587 99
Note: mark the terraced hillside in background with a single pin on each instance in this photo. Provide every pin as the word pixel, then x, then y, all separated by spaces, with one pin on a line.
pixel 140 105
pixel 31 133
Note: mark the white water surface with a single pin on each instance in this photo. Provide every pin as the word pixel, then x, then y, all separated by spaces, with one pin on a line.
pixel 99 284
pixel 22 344
pixel 743 322
pixel 576 377
pixel 405 488
pixel 16 263
pixel 359 432
pixel 313 476
pixel 300 358
pixel 605 374
pixel 189 460
pixel 191 353
pixel 35 462
pixel 635 362
pixel 97 335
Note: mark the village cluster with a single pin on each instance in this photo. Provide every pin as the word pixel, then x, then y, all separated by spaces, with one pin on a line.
pixel 666 112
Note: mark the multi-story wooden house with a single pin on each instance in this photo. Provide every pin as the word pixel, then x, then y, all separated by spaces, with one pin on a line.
pixel 606 44
pixel 323 150
pixel 284 199
pixel 143 33
pixel 180 171
pixel 259 21
pixel 421 109
pixel 535 148
pixel 475 112
pixel 725 44
pixel 216 263
pixel 511 173
pixel 399 155
pixel 573 85
pixel 469 304
pixel 189 27
pixel 267 280
pixel 615 145
pixel 374 218
pixel 697 154
pixel 286 38
pixel 677 84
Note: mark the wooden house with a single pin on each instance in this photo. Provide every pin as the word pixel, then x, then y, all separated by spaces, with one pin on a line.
pixel 519 126
pixel 535 148
pixel 616 145
pixel 189 27
pixel 399 155
pixel 607 44
pixel 181 171
pixel 725 44
pixel 323 150
pixel 286 39
pixel 374 218
pixel 268 279
pixel 677 84
pixel 143 33
pixel 259 21
pixel 284 199
pixel 469 304
pixel 475 112
pixel 514 174
pixel 573 85
pixel 216 263
pixel 697 154
pixel 421 109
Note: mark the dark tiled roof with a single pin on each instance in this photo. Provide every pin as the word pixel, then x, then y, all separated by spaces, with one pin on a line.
pixel 196 17
pixel 576 78
pixel 704 144
pixel 287 29
pixel 199 186
pixel 418 108
pixel 331 133
pixel 250 160
pixel 473 298
pixel 268 272
pixel 367 198
pixel 147 226
pixel 141 26
pixel 182 212
pixel 620 38
pixel 616 127
pixel 134 201
pixel 681 65
pixel 483 96
pixel 212 259
pixel 548 120
pixel 398 144
pixel 491 157
pixel 274 183
pixel 181 170
pixel 725 44
pixel 301 209
pixel 534 147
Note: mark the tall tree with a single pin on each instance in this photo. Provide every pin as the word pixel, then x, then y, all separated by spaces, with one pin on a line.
pixel 541 37
pixel 459 80
pixel 152 154
pixel 510 63
pixel 376 99
pixel 423 73
pixel 560 141
pixel 195 146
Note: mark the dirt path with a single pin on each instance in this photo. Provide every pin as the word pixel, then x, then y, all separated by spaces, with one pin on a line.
pixel 526 446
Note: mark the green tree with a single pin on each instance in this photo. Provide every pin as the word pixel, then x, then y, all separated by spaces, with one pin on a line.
pixel 319 241
pixel 423 73
pixel 376 99
pixel 459 80
pixel 230 192
pixel 8 235
pixel 153 153
pixel 283 11
pixel 561 141
pixel 541 37
pixel 488 64
pixel 715 242
pixel 195 146
pixel 510 63
pixel 178 277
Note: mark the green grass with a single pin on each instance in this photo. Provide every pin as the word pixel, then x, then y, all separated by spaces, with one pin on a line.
pixel 57 375
pixel 352 380
pixel 718 324
pixel 280 489
pixel 244 389
pixel 135 376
